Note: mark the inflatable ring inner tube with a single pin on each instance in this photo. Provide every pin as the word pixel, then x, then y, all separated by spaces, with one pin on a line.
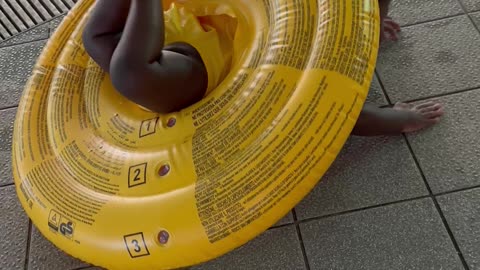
pixel 124 188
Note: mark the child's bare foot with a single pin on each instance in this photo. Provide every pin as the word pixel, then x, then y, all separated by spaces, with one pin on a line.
pixel 374 121
pixel 389 29
pixel 419 116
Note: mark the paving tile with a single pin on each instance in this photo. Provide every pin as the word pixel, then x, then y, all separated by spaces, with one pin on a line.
pixel 13 230
pixel 431 58
pixel 277 248
pixel 449 153
pixel 38 33
pixel 413 11
pixel 462 211
pixel 471 5
pixel 6 131
pixel 16 64
pixel 476 18
pixel 285 220
pixel 44 255
pixel 375 95
pixel 53 24
pixel 401 236
pixel 369 171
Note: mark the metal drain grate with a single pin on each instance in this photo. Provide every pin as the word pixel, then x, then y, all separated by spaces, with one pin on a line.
pixel 19 15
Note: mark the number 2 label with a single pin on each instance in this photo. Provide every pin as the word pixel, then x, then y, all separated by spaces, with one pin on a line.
pixel 137 175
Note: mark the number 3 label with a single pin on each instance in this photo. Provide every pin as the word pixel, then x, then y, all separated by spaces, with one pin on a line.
pixel 135 244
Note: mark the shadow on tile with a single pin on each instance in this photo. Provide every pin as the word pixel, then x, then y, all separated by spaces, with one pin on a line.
pixel 375 95
pixel 368 172
pixel 277 248
pixel 44 255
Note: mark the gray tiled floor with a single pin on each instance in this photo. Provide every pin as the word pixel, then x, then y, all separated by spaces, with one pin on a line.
pixel 6 129
pixel 374 209
pixel 45 256
pixel 471 5
pixel 278 248
pixel 476 18
pixel 408 12
pixel 449 153
pixel 402 236
pixel 462 211
pixel 428 61
pixel 16 65
pixel 369 172
pixel 13 230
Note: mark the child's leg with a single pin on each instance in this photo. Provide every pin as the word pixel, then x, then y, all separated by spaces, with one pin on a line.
pixel 103 30
pixel 160 79
pixel 402 117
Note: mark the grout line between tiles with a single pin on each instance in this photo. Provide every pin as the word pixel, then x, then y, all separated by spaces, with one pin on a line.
pixel 300 238
pixel 376 206
pixel 382 87
pixel 8 107
pixel 361 209
pixel 417 164
pixel 469 15
pixel 22 43
pixel 445 94
pixel 432 20
pixel 83 267
pixel 29 238
pixel 29 29
pixel 7 185
pixel 457 190
pixel 437 205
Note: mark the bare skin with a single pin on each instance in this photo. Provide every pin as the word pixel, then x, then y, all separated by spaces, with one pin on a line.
pixel 126 38
pixel 402 118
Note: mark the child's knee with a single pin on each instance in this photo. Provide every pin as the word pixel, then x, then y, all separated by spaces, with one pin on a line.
pixel 126 77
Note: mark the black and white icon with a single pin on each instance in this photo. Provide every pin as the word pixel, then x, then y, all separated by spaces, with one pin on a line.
pixel 137 175
pixel 136 246
pixel 148 127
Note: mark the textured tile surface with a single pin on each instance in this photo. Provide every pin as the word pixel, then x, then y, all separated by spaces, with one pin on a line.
pixel 55 23
pixel 37 33
pixel 375 95
pixel 404 236
pixel 427 61
pixel 275 249
pixel 286 220
pixel 449 153
pixel 476 18
pixel 369 171
pixel 13 230
pixel 44 255
pixel 471 5
pixel 6 131
pixel 413 11
pixel 16 64
pixel 462 211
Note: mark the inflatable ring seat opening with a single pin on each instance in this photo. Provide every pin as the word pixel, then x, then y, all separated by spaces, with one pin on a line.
pixel 124 188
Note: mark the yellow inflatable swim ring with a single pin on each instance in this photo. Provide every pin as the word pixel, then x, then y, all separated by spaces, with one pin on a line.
pixel 124 188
